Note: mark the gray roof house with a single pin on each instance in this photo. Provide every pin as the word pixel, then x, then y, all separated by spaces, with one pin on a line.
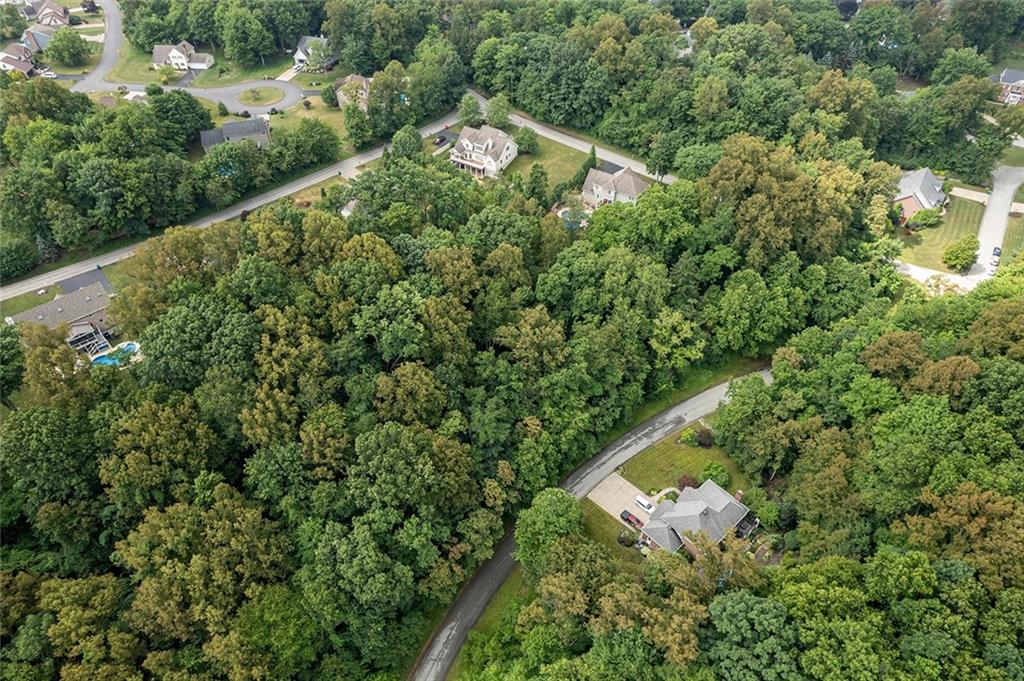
pixel 919 190
pixel 483 151
pixel 18 58
pixel 303 49
pixel 84 311
pixel 37 37
pixel 255 129
pixel 353 88
pixel 708 509
pixel 1011 84
pixel 624 185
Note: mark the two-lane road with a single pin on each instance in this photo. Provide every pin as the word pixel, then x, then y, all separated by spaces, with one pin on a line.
pixel 439 655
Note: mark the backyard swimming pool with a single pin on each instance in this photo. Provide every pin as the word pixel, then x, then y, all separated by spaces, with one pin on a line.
pixel 118 356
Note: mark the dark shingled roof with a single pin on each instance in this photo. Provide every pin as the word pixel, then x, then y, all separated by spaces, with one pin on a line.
pixel 66 308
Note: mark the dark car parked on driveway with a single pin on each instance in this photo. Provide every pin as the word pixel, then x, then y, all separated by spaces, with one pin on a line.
pixel 631 519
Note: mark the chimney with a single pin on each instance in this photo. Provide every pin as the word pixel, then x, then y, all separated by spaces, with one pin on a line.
pixel 738 495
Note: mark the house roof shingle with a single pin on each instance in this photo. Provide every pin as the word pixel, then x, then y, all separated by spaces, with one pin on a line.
pixel 1011 76
pixel 923 185
pixel 234 129
pixel 483 135
pixel 625 181
pixel 66 308
pixel 708 509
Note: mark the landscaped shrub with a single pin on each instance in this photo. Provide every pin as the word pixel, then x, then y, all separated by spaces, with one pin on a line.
pixel 687 481
pixel 688 437
pixel 929 217
pixel 222 109
pixel 962 253
pixel 717 472
pixel 704 437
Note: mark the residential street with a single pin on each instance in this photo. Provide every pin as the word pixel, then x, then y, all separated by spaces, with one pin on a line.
pixel 440 653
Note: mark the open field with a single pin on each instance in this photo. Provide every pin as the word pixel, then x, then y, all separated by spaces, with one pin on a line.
pixel 925 247
pixel 560 161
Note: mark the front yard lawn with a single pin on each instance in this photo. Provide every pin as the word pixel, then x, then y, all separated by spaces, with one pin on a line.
pixel 661 465
pixel 27 301
pixel 261 96
pixel 560 161
pixel 224 72
pixel 926 246
pixel 1013 242
pixel 603 528
pixel 1014 156
pixel 291 116
pixel 133 66
pixel 95 50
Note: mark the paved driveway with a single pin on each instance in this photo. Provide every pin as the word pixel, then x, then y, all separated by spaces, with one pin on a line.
pixel 615 494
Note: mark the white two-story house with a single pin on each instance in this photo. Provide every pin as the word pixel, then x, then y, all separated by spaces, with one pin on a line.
pixel 484 152
pixel 181 57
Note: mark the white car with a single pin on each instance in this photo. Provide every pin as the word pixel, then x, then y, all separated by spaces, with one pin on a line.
pixel 50 75
pixel 644 503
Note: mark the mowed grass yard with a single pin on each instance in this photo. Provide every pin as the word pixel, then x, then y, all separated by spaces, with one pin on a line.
pixel 133 66
pixel 560 161
pixel 1013 242
pixel 224 72
pixel 925 247
pixel 27 301
pixel 662 464
pixel 603 528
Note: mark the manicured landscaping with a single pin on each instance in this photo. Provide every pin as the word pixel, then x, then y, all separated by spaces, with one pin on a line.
pixel 1013 242
pixel 560 161
pixel 513 588
pixel 224 72
pixel 926 246
pixel 605 529
pixel 307 80
pixel 662 464
pixel 261 96
pixel 133 66
pixel 27 301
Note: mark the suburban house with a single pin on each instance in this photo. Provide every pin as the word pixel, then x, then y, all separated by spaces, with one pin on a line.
pixel 708 509
pixel 49 13
pixel 624 185
pixel 181 57
pixel 37 37
pixel 83 311
pixel 1011 83
pixel 483 151
pixel 255 129
pixel 919 190
pixel 302 52
pixel 16 58
pixel 353 88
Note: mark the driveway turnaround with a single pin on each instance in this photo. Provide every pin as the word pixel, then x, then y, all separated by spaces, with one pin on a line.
pixel 615 494
pixel 437 657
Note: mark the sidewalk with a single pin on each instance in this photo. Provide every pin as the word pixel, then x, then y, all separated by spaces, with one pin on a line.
pixel 288 75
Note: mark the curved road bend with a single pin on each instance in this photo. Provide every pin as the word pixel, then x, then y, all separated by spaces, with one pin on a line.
pixel 437 657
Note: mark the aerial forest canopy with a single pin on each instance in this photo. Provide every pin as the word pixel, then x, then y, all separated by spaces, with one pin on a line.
pixel 340 409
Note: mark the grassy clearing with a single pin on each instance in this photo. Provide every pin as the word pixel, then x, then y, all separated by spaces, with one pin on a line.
pixel 604 529
pixel 224 72
pixel 309 81
pixel 133 66
pixel 261 96
pixel 117 275
pixel 27 301
pixel 1013 242
pixel 560 161
pixel 95 50
pixel 311 194
pixel 661 465
pixel 290 117
pixel 513 589
pixel 925 247
pixel 1014 156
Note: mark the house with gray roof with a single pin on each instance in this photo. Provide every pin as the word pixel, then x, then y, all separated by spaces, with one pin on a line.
pixel 708 509
pixel 919 190
pixel 624 185
pixel 37 37
pixel 483 151
pixel 353 88
pixel 83 311
pixel 304 50
pixel 16 57
pixel 1011 86
pixel 181 57
pixel 255 129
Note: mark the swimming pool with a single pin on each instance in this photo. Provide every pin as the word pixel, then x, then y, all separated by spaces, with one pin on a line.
pixel 118 356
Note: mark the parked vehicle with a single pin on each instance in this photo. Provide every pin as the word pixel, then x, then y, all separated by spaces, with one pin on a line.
pixel 996 253
pixel 631 519
pixel 644 503
pixel 49 75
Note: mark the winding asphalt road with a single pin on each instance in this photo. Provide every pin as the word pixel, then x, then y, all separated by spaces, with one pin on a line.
pixel 437 657
pixel 114 42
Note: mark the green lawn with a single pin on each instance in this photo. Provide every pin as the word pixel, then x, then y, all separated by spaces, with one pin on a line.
pixel 308 81
pixel 26 301
pixel 92 30
pixel 95 49
pixel 119 279
pixel 560 161
pixel 1014 156
pixel 291 116
pixel 311 194
pixel 1013 242
pixel 604 529
pixel 261 96
pixel 513 588
pixel 133 66
pixel 661 465
pixel 225 73
pixel 925 247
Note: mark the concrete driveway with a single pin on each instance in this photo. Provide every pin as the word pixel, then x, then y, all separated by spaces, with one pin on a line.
pixel 615 494
pixel 1005 180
